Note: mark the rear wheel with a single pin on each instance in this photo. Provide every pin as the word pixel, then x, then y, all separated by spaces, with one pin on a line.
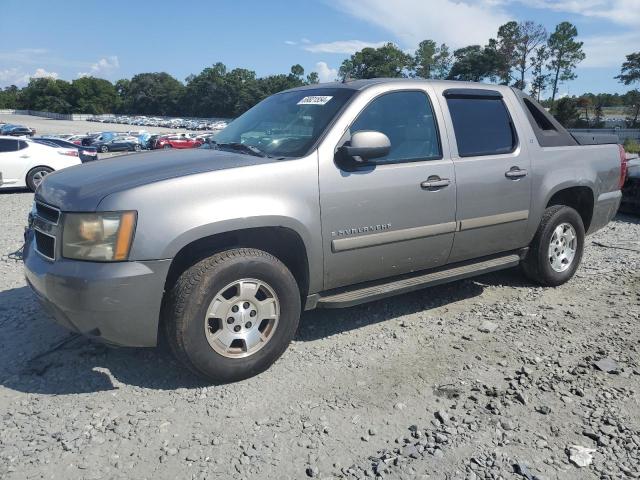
pixel 556 250
pixel 232 315
pixel 137 147
pixel 167 146
pixel 36 175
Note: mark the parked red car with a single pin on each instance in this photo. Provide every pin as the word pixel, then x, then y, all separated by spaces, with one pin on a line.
pixel 177 141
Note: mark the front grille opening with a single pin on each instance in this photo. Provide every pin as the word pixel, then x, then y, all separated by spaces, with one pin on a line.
pixel 45 245
pixel 47 213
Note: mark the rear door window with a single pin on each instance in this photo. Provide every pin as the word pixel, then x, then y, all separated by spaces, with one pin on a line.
pixel 482 125
pixel 7 145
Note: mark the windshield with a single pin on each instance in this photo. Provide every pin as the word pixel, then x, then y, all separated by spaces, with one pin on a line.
pixel 286 124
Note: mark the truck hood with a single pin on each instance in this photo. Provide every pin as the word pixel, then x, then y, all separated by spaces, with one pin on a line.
pixel 81 188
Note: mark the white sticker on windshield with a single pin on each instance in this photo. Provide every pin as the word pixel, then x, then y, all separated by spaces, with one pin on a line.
pixel 315 100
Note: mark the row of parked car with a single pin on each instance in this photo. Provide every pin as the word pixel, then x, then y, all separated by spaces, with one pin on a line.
pixel 136 141
pixel 141 120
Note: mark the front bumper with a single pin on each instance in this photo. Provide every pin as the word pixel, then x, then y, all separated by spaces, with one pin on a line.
pixel 118 303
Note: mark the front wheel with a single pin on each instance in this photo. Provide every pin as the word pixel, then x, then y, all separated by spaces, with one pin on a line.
pixel 137 148
pixel 556 250
pixel 104 149
pixel 232 315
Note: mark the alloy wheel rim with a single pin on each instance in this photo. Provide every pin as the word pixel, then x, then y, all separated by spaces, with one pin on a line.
pixel 562 247
pixel 242 318
pixel 39 176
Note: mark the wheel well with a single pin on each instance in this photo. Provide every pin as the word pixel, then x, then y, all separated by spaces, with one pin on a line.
pixel 283 243
pixel 578 198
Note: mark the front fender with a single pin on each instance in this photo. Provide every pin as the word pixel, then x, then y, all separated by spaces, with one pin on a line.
pixel 175 212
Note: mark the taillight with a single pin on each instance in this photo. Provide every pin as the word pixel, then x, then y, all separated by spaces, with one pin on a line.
pixel 623 166
pixel 69 153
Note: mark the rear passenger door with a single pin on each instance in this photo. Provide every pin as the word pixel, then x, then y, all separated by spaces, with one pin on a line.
pixel 492 172
pixel 11 163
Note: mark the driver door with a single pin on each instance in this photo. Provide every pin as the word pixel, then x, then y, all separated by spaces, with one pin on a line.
pixel 382 219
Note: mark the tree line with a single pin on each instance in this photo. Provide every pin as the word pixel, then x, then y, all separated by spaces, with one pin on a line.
pixel 214 92
pixel 522 54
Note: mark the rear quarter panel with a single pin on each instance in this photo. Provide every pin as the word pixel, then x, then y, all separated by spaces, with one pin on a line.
pixel 556 168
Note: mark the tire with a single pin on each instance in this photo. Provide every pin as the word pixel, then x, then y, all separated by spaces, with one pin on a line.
pixel 192 322
pixel 137 148
pixel 104 149
pixel 35 176
pixel 543 263
pixel 167 146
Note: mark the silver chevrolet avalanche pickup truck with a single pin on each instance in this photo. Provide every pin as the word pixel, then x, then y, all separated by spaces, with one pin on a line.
pixel 323 196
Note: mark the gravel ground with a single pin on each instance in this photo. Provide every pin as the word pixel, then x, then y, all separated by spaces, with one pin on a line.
pixel 481 379
pixel 48 126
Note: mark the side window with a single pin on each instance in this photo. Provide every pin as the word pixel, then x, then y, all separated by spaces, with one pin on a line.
pixel 407 119
pixel 22 145
pixel 7 145
pixel 540 118
pixel 482 126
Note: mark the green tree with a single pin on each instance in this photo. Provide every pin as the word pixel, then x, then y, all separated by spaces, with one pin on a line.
pixel 632 108
pixel 46 94
pixel 598 116
pixel 506 44
pixel 564 55
pixel 154 94
pixel 424 58
pixel 566 112
pixel 9 97
pixel 531 37
pixel 630 71
pixel 475 63
pixel 385 61
pixel 297 71
pixel 93 95
pixel 584 103
pixel 442 61
pixel 205 93
pixel 539 77
pixel 313 78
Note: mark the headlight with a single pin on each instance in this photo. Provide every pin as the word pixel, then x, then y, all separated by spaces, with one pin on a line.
pixel 101 237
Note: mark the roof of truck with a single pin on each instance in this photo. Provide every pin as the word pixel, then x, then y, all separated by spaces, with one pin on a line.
pixel 363 84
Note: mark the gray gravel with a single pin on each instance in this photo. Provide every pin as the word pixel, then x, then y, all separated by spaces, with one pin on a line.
pixel 482 379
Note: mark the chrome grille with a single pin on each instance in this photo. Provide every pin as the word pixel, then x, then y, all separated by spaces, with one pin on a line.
pixel 48 213
pixel 45 225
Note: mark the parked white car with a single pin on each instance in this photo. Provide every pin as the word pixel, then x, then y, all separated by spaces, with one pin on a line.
pixel 25 163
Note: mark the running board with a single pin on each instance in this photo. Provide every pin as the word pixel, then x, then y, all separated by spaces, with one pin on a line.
pixel 370 291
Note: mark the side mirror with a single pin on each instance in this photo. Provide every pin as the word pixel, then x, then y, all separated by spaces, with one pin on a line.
pixel 366 145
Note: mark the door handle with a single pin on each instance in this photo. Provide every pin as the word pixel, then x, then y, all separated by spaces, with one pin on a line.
pixel 24 156
pixel 515 172
pixel 435 182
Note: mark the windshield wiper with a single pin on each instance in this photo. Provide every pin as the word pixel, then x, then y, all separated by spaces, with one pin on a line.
pixel 250 149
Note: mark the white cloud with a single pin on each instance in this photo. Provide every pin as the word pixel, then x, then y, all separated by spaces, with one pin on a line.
pixel 104 66
pixel 455 22
pixel 42 73
pixel 346 47
pixel 625 12
pixel 325 72
pixel 607 50
pixel 290 42
pixel 17 76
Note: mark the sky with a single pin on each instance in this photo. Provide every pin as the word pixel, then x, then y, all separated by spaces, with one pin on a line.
pixel 117 39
